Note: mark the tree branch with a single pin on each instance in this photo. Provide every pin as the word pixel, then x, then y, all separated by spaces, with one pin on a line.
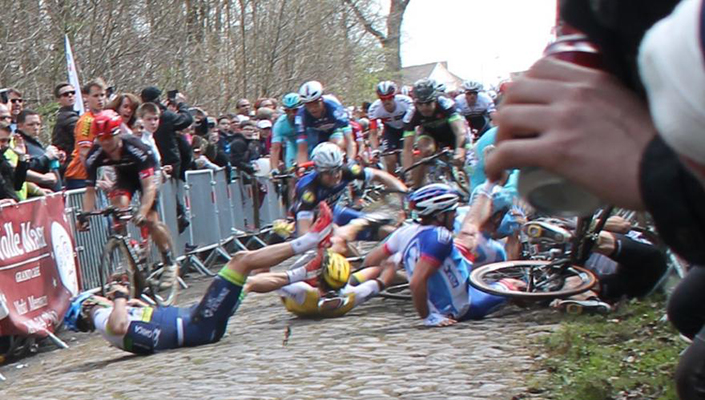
pixel 365 23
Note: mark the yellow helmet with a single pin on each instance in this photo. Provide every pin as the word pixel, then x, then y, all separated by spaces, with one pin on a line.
pixel 336 270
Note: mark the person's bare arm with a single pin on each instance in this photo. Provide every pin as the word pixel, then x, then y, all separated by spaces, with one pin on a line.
pixel 480 211
pixel 149 193
pixel 118 321
pixel 266 282
pixel 276 153
pixel 407 155
pixel 458 127
pixel 302 153
pixel 388 180
pixel 419 286
pixel 374 140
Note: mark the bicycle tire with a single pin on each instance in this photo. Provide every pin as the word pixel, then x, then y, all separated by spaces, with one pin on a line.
pixel 482 277
pixel 116 258
pixel 164 297
pixel 397 292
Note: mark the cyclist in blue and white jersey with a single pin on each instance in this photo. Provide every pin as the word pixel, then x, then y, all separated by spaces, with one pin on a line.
pixel 328 183
pixel 390 109
pixel 476 106
pixel 437 261
pixel 321 119
pixel 284 133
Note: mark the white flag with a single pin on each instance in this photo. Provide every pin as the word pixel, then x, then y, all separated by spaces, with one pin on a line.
pixel 73 76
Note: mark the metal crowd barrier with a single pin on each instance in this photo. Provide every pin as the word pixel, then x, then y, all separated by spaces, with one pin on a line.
pixel 221 216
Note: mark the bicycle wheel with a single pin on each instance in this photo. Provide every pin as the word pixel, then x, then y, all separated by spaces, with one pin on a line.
pixel 397 292
pixel 545 280
pixel 162 297
pixel 117 262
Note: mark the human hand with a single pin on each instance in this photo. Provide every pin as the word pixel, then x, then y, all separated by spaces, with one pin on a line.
pixel 83 224
pixel 19 146
pixel 617 224
pixel 576 122
pixel 52 152
pixel 459 156
pixel 438 320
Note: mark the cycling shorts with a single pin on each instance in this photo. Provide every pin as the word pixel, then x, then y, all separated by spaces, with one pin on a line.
pixel 392 139
pixel 207 321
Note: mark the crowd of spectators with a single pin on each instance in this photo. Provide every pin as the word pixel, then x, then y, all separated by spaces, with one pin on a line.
pixel 182 137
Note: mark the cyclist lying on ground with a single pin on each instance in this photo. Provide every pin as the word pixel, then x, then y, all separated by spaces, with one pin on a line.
pixel 135 169
pixel 438 261
pixel 130 325
pixel 328 183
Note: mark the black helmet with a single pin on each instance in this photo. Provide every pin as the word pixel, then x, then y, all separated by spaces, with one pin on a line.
pixel 425 91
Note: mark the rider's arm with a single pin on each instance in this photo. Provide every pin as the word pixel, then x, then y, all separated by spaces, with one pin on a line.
pixel 407 156
pixel 418 285
pixel 303 225
pixel 351 148
pixel 118 321
pixel 302 152
pixel 457 125
pixel 149 191
pixel 276 153
pixel 387 179
pixel 480 211
pixel 374 139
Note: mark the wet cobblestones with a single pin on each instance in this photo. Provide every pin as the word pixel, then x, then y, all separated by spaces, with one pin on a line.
pixel 378 351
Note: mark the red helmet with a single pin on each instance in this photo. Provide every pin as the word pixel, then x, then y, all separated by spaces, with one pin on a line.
pixel 107 123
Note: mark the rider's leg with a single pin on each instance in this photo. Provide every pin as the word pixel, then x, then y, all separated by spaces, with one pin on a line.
pixel 427 147
pixel 162 239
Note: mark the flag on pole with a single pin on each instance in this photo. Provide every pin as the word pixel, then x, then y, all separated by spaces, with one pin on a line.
pixel 73 76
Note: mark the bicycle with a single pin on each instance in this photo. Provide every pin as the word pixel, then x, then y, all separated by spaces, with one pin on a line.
pixel 556 259
pixel 124 256
pixel 443 170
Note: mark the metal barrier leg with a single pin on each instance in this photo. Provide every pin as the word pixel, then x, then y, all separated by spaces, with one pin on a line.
pixel 215 254
pixel 193 262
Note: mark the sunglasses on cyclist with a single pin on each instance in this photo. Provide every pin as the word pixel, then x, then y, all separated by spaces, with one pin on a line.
pixel 424 103
pixel 388 97
pixel 68 93
pixel 14 101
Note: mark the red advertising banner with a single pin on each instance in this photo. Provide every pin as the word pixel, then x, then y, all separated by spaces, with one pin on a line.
pixel 38 268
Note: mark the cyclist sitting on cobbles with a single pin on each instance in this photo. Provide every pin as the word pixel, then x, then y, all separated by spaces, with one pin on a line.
pixel 132 326
pixel 437 261
pixel 328 182
pixel 135 168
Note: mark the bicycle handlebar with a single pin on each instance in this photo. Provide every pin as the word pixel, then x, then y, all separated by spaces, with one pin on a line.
pixel 427 160
pixel 119 212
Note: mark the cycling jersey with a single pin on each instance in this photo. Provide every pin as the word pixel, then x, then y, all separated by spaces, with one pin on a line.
pixel 83 138
pixel 437 126
pixel 333 124
pixel 449 291
pixel 162 328
pixel 285 132
pixel 395 119
pixel 478 113
pixel 310 191
pixel 136 161
pixel 304 300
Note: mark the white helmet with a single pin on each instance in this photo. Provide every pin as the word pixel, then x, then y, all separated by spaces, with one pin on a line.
pixel 472 86
pixel 311 91
pixel 434 198
pixel 327 156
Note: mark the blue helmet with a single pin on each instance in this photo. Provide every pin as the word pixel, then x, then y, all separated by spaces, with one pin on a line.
pixel 434 198
pixel 74 313
pixel 291 100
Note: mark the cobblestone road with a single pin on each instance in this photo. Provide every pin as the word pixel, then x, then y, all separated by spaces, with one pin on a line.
pixel 378 351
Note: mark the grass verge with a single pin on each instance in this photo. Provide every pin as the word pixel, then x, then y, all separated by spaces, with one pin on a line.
pixel 629 354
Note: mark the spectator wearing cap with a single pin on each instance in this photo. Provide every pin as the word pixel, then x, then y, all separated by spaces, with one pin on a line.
pixel 265 133
pixel 66 118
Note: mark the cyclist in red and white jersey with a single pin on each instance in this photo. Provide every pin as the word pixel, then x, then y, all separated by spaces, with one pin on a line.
pixel 390 110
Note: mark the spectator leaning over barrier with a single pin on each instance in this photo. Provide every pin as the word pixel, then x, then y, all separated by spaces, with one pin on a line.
pixel 148 119
pixel 66 118
pixel 11 177
pixel 94 97
pixel 16 105
pixel 43 162
pixel 200 161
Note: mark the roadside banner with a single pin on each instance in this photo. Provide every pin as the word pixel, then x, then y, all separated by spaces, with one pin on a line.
pixel 73 76
pixel 38 268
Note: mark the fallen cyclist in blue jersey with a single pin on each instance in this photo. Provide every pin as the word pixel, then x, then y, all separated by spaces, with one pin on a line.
pixel 131 325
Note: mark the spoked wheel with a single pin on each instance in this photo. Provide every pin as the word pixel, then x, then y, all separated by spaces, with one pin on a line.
pixel 162 297
pixel 116 265
pixel 544 280
pixel 397 292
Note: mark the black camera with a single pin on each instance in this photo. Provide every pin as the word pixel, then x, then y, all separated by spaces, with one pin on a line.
pixel 3 96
